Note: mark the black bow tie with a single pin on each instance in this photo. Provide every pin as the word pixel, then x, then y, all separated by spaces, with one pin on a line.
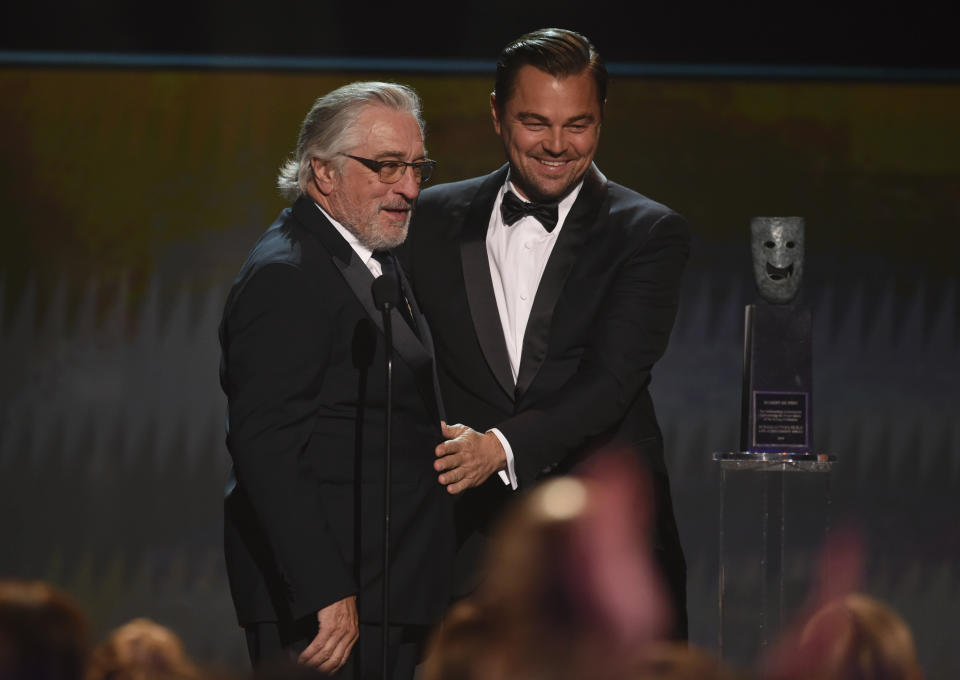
pixel 513 209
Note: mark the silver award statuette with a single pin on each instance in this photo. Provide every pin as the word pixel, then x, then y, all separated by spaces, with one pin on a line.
pixel 777 379
pixel 777 246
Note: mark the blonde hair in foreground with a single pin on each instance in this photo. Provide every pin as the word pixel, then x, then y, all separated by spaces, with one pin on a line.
pixel 860 638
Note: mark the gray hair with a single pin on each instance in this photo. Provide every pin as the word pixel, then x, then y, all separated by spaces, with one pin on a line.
pixel 328 130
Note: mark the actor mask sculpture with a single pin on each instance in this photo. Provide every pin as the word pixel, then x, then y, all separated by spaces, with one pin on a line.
pixel 777 247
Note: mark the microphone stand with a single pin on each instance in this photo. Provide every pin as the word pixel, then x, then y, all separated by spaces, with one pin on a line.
pixel 385 297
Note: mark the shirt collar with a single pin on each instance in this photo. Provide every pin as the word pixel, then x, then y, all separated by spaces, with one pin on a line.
pixel 361 250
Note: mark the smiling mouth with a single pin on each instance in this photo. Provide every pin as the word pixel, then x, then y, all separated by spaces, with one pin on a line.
pixel 552 164
pixel 779 273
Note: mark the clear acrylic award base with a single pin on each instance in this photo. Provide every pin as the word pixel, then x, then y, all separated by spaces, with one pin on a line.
pixel 774 517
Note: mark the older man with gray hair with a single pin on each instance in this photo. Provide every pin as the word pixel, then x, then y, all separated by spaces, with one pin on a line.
pixel 303 357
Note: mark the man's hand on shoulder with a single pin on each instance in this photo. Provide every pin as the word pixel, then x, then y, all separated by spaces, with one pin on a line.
pixel 337 632
pixel 467 458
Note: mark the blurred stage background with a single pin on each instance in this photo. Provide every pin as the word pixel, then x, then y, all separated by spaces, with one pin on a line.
pixel 133 188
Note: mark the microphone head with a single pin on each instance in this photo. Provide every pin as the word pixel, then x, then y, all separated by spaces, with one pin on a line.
pixel 386 291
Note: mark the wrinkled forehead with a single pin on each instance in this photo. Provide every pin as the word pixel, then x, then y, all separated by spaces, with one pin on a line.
pixel 382 132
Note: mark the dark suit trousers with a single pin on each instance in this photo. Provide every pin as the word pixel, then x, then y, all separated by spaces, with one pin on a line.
pixel 273 645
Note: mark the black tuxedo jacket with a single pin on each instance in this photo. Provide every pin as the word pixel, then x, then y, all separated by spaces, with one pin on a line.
pixel 600 320
pixel 303 370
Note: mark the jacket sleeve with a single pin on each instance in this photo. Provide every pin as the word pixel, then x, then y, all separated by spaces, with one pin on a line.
pixel 629 334
pixel 278 341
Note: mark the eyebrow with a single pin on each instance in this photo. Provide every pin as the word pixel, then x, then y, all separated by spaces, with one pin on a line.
pixel 525 116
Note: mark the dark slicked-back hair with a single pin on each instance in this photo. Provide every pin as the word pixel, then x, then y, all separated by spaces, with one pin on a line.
pixel 556 51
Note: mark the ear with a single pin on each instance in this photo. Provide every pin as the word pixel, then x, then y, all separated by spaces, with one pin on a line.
pixel 494 114
pixel 325 176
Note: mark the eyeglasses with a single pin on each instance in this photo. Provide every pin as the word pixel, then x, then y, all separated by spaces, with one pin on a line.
pixel 390 172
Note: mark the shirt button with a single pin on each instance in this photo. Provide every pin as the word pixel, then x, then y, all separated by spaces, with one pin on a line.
pixel 528 245
pixel 523 296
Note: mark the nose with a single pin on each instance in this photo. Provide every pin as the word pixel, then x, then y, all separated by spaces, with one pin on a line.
pixel 407 186
pixel 553 142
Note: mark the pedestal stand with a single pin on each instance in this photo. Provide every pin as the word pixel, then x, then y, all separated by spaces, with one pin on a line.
pixel 774 516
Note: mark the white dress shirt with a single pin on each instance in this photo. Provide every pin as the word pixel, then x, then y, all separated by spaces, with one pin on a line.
pixel 364 253
pixel 518 255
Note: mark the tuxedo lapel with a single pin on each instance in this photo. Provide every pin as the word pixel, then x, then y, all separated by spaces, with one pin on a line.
pixel 360 280
pixel 417 355
pixel 407 345
pixel 574 232
pixel 423 329
pixel 479 287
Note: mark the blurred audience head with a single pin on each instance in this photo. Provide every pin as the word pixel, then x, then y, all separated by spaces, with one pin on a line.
pixel 676 661
pixel 859 638
pixel 465 647
pixel 43 634
pixel 141 650
pixel 576 553
pixel 838 572
pixel 570 587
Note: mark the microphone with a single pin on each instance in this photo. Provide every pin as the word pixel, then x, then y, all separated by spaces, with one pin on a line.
pixel 386 295
pixel 386 291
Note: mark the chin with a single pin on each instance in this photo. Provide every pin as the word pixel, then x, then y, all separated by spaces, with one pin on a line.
pixel 395 242
pixel 553 192
pixel 392 237
pixel 553 188
pixel 378 236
